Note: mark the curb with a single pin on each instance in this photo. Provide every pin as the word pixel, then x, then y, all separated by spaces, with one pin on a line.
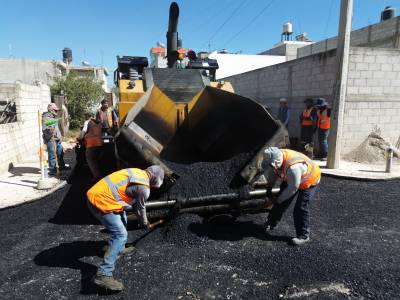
pixel 350 177
pixel 59 186
pixel 63 183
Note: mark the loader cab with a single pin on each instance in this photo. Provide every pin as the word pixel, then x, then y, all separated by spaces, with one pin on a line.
pixel 130 68
pixel 128 78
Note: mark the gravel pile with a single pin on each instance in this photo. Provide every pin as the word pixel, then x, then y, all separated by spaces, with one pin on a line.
pixel 371 150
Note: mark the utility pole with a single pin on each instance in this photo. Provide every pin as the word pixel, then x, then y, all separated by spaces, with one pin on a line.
pixel 340 84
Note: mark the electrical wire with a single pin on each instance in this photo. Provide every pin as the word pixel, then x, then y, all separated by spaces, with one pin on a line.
pixel 248 24
pixel 226 21
pixel 328 19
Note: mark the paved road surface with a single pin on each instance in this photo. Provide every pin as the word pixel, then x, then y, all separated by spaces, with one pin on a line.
pixel 50 250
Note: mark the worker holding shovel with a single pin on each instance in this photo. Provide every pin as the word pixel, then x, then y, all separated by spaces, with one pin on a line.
pixel 108 200
pixel 52 138
pixel 300 177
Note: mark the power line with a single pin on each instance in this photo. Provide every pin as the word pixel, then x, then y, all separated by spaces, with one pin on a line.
pixel 213 16
pixel 226 21
pixel 329 18
pixel 248 24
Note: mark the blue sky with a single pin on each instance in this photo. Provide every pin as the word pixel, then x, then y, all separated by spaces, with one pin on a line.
pixel 98 30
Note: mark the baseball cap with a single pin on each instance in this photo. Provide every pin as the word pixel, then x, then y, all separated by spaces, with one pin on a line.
pixel 52 106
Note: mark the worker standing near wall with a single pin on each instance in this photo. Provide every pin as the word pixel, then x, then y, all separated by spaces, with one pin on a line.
pixel 52 138
pixel 108 200
pixel 323 125
pixel 107 117
pixel 284 112
pixel 300 177
pixel 91 136
pixel 308 121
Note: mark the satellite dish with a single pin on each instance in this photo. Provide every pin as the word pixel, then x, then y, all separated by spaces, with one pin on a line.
pixel 159 44
pixel 85 63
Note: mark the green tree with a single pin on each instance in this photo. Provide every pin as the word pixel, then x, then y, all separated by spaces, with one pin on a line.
pixel 82 93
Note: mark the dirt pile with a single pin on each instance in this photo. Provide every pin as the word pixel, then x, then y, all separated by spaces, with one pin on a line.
pixel 371 150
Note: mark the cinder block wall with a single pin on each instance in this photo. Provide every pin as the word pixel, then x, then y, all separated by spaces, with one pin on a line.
pixel 383 35
pixel 310 76
pixel 373 95
pixel 20 140
pixel 373 90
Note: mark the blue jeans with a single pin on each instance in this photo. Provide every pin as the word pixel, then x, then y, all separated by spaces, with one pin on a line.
pixel 116 225
pixel 323 142
pixel 301 214
pixel 52 154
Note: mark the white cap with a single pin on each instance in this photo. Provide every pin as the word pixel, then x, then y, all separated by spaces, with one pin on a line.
pixel 282 100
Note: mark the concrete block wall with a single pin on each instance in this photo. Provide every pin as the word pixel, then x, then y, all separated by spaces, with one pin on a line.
pixel 373 90
pixel 373 96
pixel 28 71
pixel 295 80
pixel 20 140
pixel 384 34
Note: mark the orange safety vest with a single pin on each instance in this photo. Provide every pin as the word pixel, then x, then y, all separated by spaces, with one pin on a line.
pixel 93 135
pixel 306 121
pixel 108 195
pixel 324 121
pixel 313 174
pixel 109 117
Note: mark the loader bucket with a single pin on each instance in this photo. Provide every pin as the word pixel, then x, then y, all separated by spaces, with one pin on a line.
pixel 214 125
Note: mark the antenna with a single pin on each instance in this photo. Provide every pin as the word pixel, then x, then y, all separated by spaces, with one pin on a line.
pixel 10 51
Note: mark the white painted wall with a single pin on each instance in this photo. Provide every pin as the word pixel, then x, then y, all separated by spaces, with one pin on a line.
pixel 233 64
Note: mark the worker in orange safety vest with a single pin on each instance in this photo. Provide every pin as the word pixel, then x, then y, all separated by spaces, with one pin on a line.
pixel 323 126
pixel 300 177
pixel 108 200
pixel 91 135
pixel 308 120
pixel 107 117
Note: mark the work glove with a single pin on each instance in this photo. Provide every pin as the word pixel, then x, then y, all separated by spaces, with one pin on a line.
pixel 128 208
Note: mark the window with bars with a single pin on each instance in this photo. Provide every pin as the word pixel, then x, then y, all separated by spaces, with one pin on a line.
pixel 8 111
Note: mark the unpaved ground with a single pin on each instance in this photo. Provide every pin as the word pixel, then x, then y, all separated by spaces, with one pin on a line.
pixel 47 252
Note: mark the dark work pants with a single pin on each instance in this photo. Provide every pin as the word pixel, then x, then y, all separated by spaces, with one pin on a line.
pixel 301 214
pixel 93 157
pixel 307 133
pixel 323 142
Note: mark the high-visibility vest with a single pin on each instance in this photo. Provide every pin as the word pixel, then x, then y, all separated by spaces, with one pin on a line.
pixel 109 117
pixel 108 195
pixel 306 120
pixel 324 121
pixel 313 174
pixel 93 135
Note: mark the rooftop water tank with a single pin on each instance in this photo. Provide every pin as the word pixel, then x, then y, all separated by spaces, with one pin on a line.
pixel 67 55
pixel 287 28
pixel 387 13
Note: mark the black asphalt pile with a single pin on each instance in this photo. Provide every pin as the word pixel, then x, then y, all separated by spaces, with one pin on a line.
pixel 177 232
pixel 353 252
pixel 208 178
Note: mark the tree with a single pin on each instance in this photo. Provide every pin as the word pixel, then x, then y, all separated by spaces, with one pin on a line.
pixel 82 93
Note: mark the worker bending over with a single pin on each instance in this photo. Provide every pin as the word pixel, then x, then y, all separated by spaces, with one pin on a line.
pixel 300 177
pixel 108 200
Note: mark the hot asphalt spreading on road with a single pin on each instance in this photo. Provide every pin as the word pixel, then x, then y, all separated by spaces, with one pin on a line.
pixel 50 249
pixel 208 178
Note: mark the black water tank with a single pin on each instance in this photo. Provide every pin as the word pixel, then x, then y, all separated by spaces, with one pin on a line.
pixel 67 55
pixel 388 13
